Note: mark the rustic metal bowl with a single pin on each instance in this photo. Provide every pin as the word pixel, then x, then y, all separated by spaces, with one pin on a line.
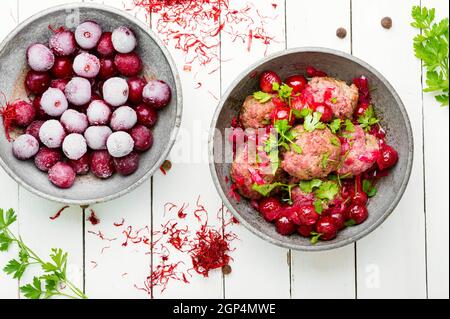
pixel 389 108
pixel 157 63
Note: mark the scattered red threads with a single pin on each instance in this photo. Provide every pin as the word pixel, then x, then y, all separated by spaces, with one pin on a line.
pixel 187 68
pixel 119 224
pixel 199 85
pixel 94 264
pixel 59 212
pixel 274 5
pixel 199 211
pixel 100 235
pixel 136 237
pixel 161 276
pixel 250 40
pixel 93 219
pixel 104 248
pixel 8 113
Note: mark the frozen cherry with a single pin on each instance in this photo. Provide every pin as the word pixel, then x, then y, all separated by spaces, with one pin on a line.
pixel 284 226
pixel 127 165
pixel 142 137
pixel 146 115
pixel 270 208
pixel 63 43
pixel 307 215
pixel 86 65
pixel 123 39
pixel 25 147
pixel 297 83
pixel 128 64
pixel 387 158
pixel 74 121
pixel 61 175
pixel 37 82
pixel 327 228
pixel 358 213
pixel 54 102
pixel 46 158
pixel 107 69
pixel 326 111
pixel 24 113
pixel 96 137
pixel 105 46
pixel 40 114
pixel 267 79
pixel 62 68
pixel 88 34
pixel 40 58
pixel 157 94
pixel 78 91
pixel 81 166
pixel 136 86
pixel 33 129
pixel 98 113
pixel 102 164
pixel 74 146
pixel 59 84
pixel 52 134
pixel 115 91
pixel 123 119
pixel 120 144
pixel 305 231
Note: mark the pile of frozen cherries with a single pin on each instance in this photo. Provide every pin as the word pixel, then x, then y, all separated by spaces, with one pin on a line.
pixel 90 110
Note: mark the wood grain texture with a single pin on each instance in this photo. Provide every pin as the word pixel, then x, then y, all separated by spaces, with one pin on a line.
pixel 391 261
pixel 328 274
pixel 436 147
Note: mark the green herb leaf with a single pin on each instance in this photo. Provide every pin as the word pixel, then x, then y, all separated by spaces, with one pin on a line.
pixel 350 223
pixel 431 46
pixel 312 122
pixel 309 186
pixel 325 159
pixel 15 268
pixel 335 126
pixel 7 218
pixel 327 190
pixel 318 206
pixel 335 141
pixel 262 97
pixel 368 119
pixel 315 237
pixel 33 291
pixel 296 148
pixel 369 188
pixel 265 189
pixel 349 126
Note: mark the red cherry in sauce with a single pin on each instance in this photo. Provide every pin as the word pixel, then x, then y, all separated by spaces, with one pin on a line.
pixel 284 226
pixel 297 83
pixel 358 213
pixel 305 231
pixel 308 215
pixel 267 79
pixel 387 158
pixel 270 208
pixel 327 228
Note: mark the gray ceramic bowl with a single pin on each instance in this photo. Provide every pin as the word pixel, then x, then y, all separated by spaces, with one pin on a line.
pixel 342 66
pixel 157 63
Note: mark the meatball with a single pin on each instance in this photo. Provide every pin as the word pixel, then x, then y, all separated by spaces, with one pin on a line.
pixel 319 157
pixel 255 114
pixel 359 152
pixel 342 99
pixel 246 172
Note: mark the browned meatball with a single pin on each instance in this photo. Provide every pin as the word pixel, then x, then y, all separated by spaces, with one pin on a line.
pixel 255 114
pixel 319 157
pixel 359 152
pixel 342 99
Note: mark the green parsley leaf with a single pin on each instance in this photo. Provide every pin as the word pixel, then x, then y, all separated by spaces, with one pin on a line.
pixel 327 190
pixel 265 189
pixel 5 241
pixel 335 125
pixel 315 237
pixel 431 46
pixel 368 119
pixel 262 97
pixel 7 218
pixel 296 148
pixel 334 100
pixel 335 141
pixel 312 122
pixel 325 159
pixel 309 186
pixel 350 223
pixel 33 291
pixel 318 206
pixel 369 188
pixel 349 126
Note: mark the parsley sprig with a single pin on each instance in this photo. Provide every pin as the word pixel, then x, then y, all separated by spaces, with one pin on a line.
pixel 312 122
pixel 431 46
pixel 55 271
pixel 368 119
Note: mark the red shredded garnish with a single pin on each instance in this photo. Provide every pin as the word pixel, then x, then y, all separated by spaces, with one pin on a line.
pixel 8 113
pixel 59 212
pixel 120 223
pixel 93 219
pixel 94 264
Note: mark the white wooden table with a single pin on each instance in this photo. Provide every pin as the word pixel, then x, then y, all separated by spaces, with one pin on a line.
pixel 407 257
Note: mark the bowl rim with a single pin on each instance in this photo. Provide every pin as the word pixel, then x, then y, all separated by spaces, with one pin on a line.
pixel 326 245
pixel 178 90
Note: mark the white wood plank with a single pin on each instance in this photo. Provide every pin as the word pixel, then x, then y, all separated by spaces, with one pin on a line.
pixel 260 270
pixel 328 274
pixel 189 177
pixel 391 261
pixel 8 187
pixel 34 224
pixel 113 270
pixel 436 142
pixel 115 261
